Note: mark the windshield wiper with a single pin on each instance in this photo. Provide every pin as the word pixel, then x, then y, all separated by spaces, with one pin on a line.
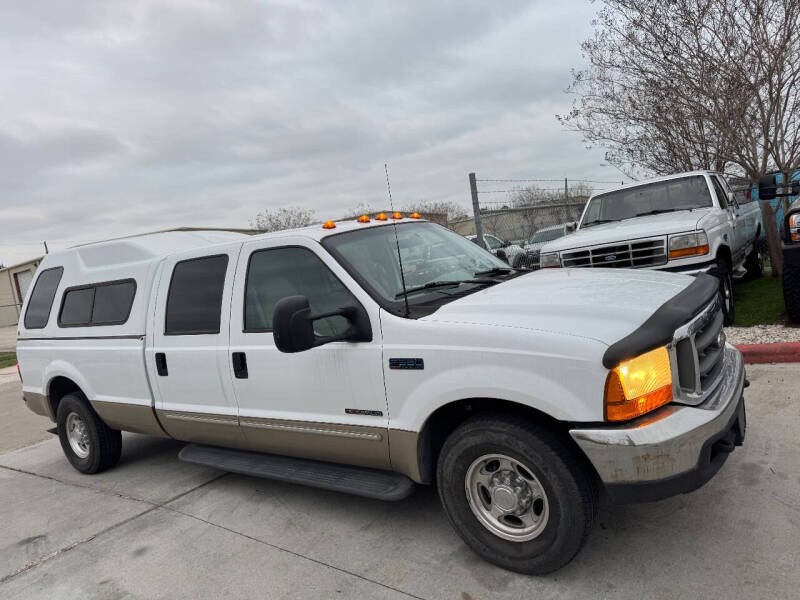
pixel 658 211
pixel 598 222
pixel 437 284
pixel 493 271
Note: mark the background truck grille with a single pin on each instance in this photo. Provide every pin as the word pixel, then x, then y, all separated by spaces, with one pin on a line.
pixel 641 253
pixel 699 354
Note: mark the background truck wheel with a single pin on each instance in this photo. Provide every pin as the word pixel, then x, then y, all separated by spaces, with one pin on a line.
pixel 754 264
pixel 791 292
pixel 90 445
pixel 518 494
pixel 723 273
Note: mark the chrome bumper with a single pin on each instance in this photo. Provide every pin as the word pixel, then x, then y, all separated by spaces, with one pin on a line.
pixel 674 450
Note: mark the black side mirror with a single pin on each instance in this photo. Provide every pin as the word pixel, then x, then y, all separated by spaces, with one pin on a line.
pixel 293 325
pixel 767 187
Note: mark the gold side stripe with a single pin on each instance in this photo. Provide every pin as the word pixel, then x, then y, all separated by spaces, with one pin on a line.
pixel 316 430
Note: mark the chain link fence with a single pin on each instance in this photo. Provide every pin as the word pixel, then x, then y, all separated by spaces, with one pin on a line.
pixel 518 216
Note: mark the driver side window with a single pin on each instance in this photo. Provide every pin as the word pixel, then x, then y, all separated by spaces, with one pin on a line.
pixel 492 242
pixel 276 273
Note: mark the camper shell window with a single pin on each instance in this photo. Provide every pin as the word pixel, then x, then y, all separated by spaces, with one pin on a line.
pixel 106 303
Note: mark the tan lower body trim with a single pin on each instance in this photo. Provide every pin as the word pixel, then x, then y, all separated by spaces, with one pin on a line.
pixel 403 447
pixel 138 418
pixel 203 428
pixel 38 403
pixel 333 442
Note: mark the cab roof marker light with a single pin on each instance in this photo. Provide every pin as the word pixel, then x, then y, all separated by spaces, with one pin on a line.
pixel 381 217
pixel 329 225
pixel 397 215
pixel 363 219
pixel 415 215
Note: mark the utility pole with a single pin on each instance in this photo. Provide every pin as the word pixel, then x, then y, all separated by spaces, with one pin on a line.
pixel 566 201
pixel 46 251
pixel 476 209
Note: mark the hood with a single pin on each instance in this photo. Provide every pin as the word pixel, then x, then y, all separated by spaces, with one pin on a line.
pixel 630 229
pixel 601 304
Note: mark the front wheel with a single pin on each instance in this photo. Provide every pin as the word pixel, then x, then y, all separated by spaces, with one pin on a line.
pixel 89 444
pixel 518 494
pixel 754 263
pixel 723 273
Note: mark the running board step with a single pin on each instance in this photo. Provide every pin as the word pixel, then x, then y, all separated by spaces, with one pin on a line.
pixel 360 481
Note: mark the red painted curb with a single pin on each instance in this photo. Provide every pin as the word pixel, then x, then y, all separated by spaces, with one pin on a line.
pixel 781 352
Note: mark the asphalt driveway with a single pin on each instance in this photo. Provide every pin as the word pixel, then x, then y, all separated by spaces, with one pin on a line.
pixel 157 528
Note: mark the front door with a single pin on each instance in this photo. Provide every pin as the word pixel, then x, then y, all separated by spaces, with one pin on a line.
pixel 327 403
pixel 187 361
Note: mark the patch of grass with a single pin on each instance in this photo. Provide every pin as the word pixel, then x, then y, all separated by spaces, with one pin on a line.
pixel 7 359
pixel 759 302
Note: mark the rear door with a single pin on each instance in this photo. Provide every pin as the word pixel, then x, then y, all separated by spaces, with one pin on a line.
pixel 188 357
pixel 327 403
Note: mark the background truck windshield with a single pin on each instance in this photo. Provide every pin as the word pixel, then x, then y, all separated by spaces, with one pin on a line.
pixel 430 253
pixel 662 196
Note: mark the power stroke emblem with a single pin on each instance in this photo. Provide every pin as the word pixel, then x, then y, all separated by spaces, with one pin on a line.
pixel 406 364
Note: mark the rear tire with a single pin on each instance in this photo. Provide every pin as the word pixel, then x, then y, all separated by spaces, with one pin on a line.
pixel 89 444
pixel 791 292
pixel 543 487
pixel 723 273
pixel 754 264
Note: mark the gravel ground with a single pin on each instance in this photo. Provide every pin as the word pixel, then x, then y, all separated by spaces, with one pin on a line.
pixel 762 334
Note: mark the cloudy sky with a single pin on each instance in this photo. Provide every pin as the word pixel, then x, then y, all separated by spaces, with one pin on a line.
pixel 122 117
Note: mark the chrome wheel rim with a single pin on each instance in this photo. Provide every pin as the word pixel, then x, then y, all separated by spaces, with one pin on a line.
pixel 726 294
pixel 77 435
pixel 506 497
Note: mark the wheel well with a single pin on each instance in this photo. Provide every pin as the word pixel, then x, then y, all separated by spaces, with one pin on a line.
pixel 60 387
pixel 446 418
pixel 725 254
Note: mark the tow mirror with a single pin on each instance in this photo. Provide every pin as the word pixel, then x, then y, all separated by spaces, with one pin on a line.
pixel 293 325
pixel 571 226
pixel 767 187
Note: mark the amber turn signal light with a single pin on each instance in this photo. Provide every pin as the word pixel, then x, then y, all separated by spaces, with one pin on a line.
pixel 638 386
pixel 363 219
pixel 693 251
pixel 329 225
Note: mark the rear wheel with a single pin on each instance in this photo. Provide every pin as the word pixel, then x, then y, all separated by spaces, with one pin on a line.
pixel 754 264
pixel 723 273
pixel 518 494
pixel 89 444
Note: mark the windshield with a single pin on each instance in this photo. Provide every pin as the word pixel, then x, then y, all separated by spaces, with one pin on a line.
pixel 547 236
pixel 662 196
pixel 430 253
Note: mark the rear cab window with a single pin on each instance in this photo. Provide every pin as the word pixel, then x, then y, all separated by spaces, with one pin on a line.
pixel 194 302
pixel 37 313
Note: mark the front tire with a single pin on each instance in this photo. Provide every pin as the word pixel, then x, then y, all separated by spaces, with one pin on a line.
pixel 89 444
pixel 791 292
pixel 518 494
pixel 754 263
pixel 723 273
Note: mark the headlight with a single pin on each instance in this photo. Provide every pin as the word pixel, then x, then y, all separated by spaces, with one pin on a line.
pixel 794 227
pixel 688 244
pixel 638 386
pixel 549 260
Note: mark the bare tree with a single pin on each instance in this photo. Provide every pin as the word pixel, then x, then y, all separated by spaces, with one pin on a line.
pixel 285 217
pixel 362 208
pixel 688 84
pixel 453 210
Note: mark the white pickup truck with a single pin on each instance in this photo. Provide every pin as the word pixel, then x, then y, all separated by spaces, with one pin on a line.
pixel 373 355
pixel 688 223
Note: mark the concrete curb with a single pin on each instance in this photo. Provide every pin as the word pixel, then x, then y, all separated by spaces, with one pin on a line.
pixel 781 352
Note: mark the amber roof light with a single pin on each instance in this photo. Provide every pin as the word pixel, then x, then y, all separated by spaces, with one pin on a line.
pixel 397 215
pixel 415 215
pixel 363 219
pixel 381 217
pixel 329 225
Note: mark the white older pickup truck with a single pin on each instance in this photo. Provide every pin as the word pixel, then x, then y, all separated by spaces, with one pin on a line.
pixel 688 223
pixel 373 355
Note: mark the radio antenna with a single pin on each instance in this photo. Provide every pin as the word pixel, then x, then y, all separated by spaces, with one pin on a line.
pixel 396 239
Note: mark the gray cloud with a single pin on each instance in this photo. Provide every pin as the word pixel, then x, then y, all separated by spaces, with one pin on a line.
pixel 124 117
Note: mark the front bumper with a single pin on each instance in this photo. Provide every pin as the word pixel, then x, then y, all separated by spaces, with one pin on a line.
pixel 674 450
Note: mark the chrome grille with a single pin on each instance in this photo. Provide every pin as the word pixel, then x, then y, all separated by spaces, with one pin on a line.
pixel 635 254
pixel 698 350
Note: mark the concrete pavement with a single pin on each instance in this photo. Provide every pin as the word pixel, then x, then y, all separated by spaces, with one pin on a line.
pixel 157 528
